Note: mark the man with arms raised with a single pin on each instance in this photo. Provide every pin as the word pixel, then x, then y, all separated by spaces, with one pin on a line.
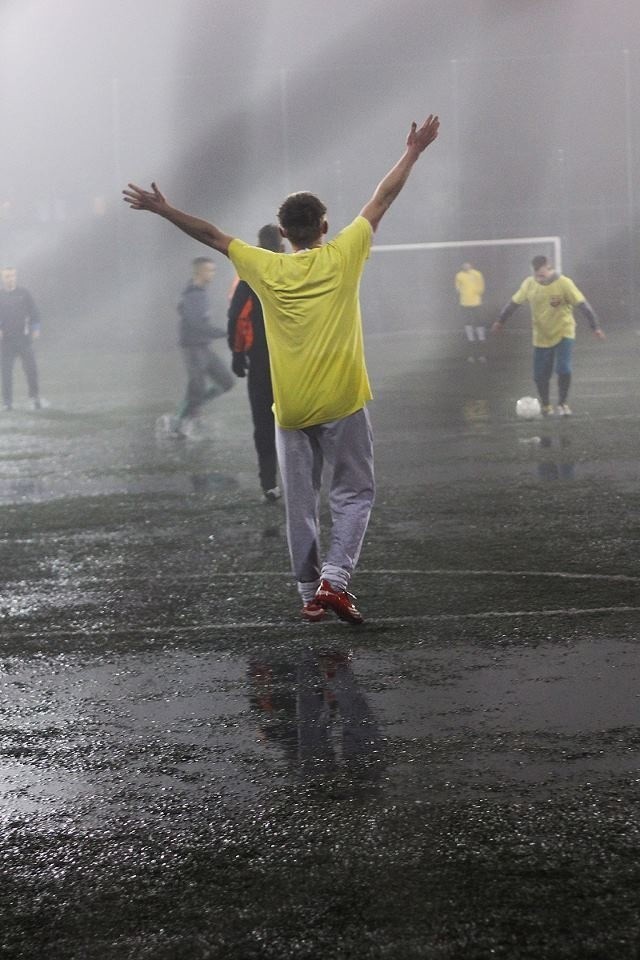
pixel 311 307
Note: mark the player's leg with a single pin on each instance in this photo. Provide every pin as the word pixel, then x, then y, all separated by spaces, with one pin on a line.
pixel 27 356
pixel 196 362
pixel 218 372
pixel 542 370
pixel 7 359
pixel 347 446
pixel 264 432
pixel 564 355
pixel 300 461
pixel 466 320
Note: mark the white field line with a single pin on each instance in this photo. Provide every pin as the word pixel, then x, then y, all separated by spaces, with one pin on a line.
pixel 102 581
pixel 314 630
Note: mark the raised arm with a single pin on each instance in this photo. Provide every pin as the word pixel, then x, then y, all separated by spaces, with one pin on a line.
pixel 388 189
pixel 155 202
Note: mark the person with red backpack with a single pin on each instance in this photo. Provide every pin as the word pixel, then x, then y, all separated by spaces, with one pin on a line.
pixel 248 343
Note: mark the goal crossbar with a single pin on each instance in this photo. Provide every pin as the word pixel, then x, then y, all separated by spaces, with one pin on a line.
pixel 503 242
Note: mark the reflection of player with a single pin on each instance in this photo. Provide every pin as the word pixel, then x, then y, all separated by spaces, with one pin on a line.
pixel 552 298
pixel 19 327
pixel 320 384
pixel 314 710
pixel 556 466
pixel 469 283
pixel 248 341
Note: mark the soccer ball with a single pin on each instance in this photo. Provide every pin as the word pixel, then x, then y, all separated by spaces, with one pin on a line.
pixel 528 408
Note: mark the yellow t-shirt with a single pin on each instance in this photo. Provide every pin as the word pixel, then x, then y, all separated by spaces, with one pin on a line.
pixel 551 309
pixel 470 287
pixel 311 307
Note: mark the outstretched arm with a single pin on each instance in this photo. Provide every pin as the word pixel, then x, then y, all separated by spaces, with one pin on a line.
pixel 586 310
pixel 155 202
pixel 507 311
pixel 388 189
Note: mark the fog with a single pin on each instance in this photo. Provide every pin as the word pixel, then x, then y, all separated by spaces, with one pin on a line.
pixel 231 104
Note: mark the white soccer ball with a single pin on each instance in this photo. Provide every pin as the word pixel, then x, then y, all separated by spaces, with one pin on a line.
pixel 528 408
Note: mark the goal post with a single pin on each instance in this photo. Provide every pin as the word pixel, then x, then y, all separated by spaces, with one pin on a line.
pixel 410 286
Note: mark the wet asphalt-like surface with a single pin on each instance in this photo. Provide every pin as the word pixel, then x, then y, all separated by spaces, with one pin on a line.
pixel 188 771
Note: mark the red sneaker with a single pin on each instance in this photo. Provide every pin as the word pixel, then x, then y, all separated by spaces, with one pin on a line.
pixel 312 611
pixel 339 601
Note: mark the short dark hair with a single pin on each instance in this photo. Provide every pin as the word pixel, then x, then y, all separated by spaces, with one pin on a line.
pixel 270 238
pixel 198 261
pixel 301 216
pixel 539 262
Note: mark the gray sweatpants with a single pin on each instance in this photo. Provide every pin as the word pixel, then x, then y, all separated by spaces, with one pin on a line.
pixel 346 447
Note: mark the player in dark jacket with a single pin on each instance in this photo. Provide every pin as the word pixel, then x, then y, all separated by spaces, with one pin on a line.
pixel 19 327
pixel 248 342
pixel 207 373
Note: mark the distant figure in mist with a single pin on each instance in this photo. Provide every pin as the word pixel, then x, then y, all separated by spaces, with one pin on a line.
pixel 469 283
pixel 250 358
pixel 312 319
pixel 552 298
pixel 19 327
pixel 207 373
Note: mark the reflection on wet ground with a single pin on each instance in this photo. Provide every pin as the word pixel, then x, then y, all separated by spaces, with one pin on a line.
pixel 188 771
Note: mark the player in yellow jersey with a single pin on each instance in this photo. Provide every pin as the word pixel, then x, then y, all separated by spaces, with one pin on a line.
pixel 469 283
pixel 311 307
pixel 552 298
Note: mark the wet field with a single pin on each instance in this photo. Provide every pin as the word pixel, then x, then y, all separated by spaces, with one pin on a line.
pixel 189 771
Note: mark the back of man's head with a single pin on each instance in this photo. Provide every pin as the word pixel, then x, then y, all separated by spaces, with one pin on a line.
pixel 270 238
pixel 301 217
pixel 539 262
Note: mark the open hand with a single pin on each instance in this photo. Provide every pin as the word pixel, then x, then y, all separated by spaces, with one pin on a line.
pixel 420 137
pixel 139 199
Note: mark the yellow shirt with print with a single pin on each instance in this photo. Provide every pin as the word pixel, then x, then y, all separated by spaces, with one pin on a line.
pixel 551 309
pixel 311 307
pixel 470 287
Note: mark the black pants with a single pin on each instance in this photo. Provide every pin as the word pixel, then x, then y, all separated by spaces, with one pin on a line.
pixel 208 378
pixel 10 349
pixel 264 431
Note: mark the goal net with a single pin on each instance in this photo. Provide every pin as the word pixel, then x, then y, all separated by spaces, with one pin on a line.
pixel 410 287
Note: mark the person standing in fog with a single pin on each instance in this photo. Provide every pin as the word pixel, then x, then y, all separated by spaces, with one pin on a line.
pixel 469 283
pixel 19 327
pixel 248 343
pixel 552 298
pixel 312 317
pixel 207 373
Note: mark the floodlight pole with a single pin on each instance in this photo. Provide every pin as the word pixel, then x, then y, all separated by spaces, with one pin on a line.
pixel 630 168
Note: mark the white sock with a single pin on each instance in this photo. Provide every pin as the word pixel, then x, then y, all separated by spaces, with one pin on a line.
pixel 338 577
pixel 307 590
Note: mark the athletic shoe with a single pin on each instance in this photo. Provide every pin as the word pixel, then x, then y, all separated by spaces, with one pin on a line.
pixel 167 426
pixel 564 410
pixel 339 601
pixel 36 403
pixel 189 427
pixel 272 495
pixel 546 409
pixel 312 611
